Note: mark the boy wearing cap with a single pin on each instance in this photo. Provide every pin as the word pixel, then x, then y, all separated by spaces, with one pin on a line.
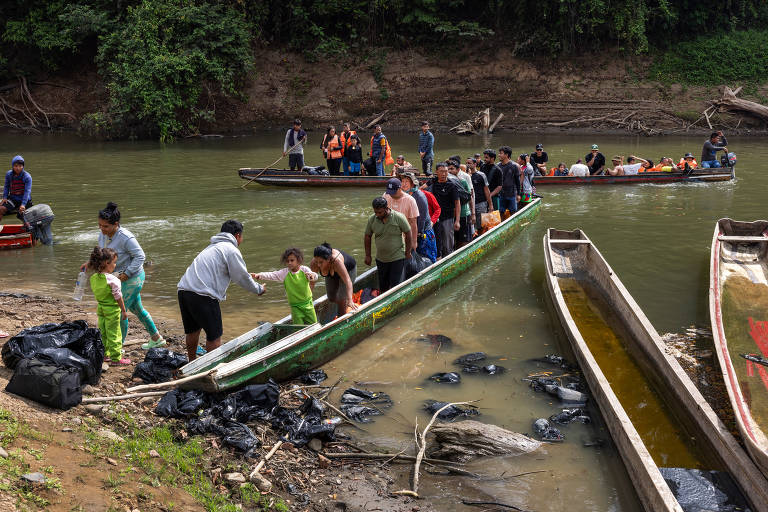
pixel 689 160
pixel 595 160
pixel 17 189
pixel 539 160
pixel 401 202
pixel 388 227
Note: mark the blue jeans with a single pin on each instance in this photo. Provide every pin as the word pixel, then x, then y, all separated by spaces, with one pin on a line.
pixel 296 161
pixel 507 203
pixel 345 166
pixel 380 167
pixel 353 169
pixel 710 164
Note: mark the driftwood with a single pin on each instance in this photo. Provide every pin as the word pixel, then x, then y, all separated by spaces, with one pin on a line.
pixel 479 123
pixel 384 456
pixel 622 119
pixel 729 101
pixel 464 440
pixel 493 126
pixel 376 119
pixel 97 399
pixel 262 483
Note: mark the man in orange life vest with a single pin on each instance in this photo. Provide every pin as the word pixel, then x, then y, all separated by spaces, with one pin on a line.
pixel 344 137
pixel 17 189
pixel 381 152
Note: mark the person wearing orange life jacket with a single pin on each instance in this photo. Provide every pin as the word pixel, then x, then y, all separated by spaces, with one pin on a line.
pixel 689 160
pixel 344 137
pixel 381 151
pixel 332 151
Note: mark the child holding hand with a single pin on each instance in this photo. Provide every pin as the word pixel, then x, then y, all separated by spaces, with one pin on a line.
pixel 111 308
pixel 298 281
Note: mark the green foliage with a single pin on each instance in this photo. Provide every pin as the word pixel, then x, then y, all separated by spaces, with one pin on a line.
pixel 165 63
pixel 726 58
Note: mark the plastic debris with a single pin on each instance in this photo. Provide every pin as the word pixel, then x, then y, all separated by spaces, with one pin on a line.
pixel 446 378
pixel 567 416
pixel 697 489
pixel 159 365
pixel 546 432
pixel 360 404
pixel 435 339
pixel 415 264
pixel 471 358
pixel 313 377
pixel 450 413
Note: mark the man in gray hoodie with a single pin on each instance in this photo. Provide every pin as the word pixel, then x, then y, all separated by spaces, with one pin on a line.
pixel 205 283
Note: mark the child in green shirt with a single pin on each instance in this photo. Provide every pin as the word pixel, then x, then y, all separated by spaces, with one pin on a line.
pixel 298 281
pixel 111 307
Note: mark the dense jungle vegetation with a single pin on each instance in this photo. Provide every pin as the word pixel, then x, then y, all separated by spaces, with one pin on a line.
pixel 163 61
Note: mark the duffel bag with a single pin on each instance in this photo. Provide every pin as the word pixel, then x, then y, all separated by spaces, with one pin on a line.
pixel 47 384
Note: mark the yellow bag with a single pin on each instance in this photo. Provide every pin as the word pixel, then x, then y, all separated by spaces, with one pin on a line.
pixel 488 220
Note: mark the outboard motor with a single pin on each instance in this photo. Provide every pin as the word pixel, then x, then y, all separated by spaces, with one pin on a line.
pixel 728 160
pixel 314 170
pixel 38 220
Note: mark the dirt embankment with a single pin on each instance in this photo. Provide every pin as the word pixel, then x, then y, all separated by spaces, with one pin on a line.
pixel 605 93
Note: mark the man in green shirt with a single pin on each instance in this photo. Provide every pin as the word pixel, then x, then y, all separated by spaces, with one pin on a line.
pixel 388 227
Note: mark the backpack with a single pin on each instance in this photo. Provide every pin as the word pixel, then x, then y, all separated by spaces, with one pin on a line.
pixel 464 196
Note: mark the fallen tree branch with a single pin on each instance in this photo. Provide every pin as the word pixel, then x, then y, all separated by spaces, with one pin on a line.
pixel 379 456
pixel 495 503
pixel 376 119
pixel 729 101
pixel 97 399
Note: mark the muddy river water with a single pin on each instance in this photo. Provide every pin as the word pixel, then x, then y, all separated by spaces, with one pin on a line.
pixel 174 197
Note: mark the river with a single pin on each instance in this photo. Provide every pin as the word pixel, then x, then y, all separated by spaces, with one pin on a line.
pixel 175 196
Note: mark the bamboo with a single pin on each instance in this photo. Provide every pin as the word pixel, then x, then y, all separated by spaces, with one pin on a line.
pixel 273 163
pixel 97 399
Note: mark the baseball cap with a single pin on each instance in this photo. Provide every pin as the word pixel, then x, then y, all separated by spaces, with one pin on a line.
pixel 393 185
pixel 594 146
pixel 688 155
pixel 539 146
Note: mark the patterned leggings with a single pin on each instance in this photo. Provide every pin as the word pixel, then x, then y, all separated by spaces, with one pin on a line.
pixel 132 296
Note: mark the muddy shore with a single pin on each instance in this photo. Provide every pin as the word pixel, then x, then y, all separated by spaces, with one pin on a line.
pixel 606 93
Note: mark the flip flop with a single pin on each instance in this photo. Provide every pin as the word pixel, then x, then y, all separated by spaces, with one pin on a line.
pixel 3 334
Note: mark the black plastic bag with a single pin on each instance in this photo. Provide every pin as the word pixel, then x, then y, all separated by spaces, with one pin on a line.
pixel 252 402
pixel 181 404
pixel 75 336
pixel 237 435
pixel 446 378
pixel 360 413
pixel 67 358
pixel 159 365
pixel 305 423
pixel 697 489
pixel 357 396
pixel 415 264
pixel 313 377
pixel 546 431
pixel 471 358
pixel 449 413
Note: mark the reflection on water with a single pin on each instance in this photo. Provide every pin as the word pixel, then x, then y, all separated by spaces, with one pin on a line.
pixel 175 197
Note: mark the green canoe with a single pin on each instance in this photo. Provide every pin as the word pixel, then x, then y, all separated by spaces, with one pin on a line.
pixel 282 351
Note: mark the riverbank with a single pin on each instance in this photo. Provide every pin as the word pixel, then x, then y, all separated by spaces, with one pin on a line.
pixel 121 456
pixel 589 94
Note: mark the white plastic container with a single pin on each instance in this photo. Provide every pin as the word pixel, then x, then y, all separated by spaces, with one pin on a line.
pixel 79 286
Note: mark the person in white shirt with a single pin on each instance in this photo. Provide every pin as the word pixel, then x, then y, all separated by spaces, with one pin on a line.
pixel 578 169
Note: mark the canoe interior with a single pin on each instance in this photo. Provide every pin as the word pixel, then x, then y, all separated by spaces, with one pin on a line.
pixel 609 336
pixel 294 354
pixel 720 174
pixel 742 283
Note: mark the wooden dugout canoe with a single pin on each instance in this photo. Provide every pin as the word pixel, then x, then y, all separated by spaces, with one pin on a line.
pixel 15 236
pixel 262 354
pixel 571 255
pixel 288 178
pixel 738 309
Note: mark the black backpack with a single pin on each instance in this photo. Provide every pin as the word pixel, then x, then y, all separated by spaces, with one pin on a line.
pixel 464 196
pixel 45 383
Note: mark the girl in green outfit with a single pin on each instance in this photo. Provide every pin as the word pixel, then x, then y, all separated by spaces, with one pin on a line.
pixel 111 309
pixel 298 281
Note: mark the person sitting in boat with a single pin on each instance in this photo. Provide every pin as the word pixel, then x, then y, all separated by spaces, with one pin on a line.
pixel 205 283
pixel 295 139
pixel 401 166
pixel 17 189
pixel 633 165
pixel 665 165
pixel 539 160
pixel 389 228
pixel 354 156
pixel 716 142
pixel 687 163
pixel 595 160
pixel 299 281
pixel 578 169
pixel 340 271
pixel 562 170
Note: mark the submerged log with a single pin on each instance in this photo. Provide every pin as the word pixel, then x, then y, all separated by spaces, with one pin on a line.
pixel 729 101
pixel 467 439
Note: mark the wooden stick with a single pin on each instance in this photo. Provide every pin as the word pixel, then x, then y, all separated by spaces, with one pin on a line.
pixel 496 503
pixel 706 115
pixel 97 399
pixel 376 119
pixel 172 383
pixel 264 460
pixel 378 456
pixel 493 126
pixel 273 163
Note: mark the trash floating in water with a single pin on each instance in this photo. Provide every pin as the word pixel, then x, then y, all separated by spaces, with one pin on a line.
pixel 567 416
pixel 490 369
pixel 470 358
pixel 449 413
pixel 359 404
pixel 556 360
pixel 697 489
pixel 313 377
pixel 546 432
pixel 436 340
pixel 159 365
pixel 360 413
pixel 446 378
pixel 755 358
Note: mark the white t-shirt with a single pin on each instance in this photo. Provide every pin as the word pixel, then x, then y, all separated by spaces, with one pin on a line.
pixel 580 170
pixel 631 168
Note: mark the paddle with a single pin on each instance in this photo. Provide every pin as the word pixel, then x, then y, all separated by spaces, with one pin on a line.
pixel 273 163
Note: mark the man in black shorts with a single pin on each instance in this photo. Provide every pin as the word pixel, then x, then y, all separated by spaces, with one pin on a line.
pixel 205 283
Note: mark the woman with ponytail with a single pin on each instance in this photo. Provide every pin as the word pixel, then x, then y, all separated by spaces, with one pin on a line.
pixel 130 269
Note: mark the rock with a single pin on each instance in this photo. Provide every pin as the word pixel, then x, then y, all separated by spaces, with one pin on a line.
pixel 262 483
pixel 3 453
pixel 467 439
pixel 315 444
pixel 153 453
pixel 89 390
pixel 323 462
pixel 112 461
pixel 66 429
pixel 104 367
pixel 76 421
pixel 238 478
pixel 33 478
pixel 94 409
pixel 147 400
pixel 109 435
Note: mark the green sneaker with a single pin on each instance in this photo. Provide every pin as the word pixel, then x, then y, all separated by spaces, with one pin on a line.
pixel 159 342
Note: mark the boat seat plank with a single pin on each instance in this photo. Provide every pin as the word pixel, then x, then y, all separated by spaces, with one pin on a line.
pixel 723 238
pixel 566 241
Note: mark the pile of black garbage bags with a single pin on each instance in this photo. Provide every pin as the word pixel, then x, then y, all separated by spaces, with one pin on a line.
pixel 227 415
pixel 52 362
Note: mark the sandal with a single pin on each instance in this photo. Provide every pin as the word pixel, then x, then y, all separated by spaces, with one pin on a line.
pixel 122 362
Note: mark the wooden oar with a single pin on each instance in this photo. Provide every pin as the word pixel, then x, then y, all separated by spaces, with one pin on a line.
pixel 273 163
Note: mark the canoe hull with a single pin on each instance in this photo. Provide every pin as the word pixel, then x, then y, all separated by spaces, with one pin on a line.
pixel 650 485
pixel 288 178
pixel 749 259
pixel 335 337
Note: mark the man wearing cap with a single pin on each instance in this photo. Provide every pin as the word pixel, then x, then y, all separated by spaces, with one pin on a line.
pixel 426 148
pixel 295 139
pixel 17 189
pixel 401 202
pixel 425 237
pixel 388 227
pixel 539 160
pixel 595 160
pixel 688 162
